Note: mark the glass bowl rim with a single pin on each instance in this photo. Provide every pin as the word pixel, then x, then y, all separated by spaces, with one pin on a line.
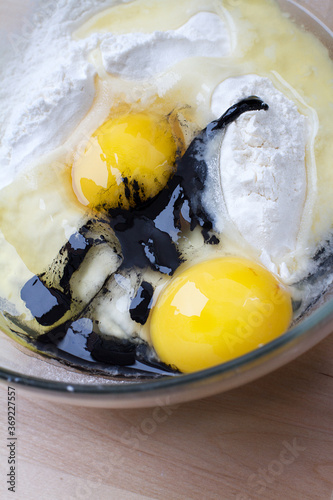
pixel 324 315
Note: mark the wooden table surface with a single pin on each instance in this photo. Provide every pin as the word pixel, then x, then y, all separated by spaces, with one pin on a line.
pixel 269 440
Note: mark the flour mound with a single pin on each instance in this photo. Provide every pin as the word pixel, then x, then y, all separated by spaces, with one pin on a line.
pixel 142 55
pixel 262 168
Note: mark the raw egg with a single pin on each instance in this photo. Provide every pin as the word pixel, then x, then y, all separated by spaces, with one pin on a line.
pixel 127 161
pixel 216 311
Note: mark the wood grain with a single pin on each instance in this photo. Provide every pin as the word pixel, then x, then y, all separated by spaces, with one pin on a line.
pixel 228 447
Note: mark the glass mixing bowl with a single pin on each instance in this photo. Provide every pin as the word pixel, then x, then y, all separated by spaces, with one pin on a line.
pixel 48 378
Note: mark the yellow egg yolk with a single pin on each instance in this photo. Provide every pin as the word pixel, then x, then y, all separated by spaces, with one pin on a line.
pixel 128 160
pixel 218 310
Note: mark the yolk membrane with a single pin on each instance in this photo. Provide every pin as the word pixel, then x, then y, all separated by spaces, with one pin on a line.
pixel 128 160
pixel 216 311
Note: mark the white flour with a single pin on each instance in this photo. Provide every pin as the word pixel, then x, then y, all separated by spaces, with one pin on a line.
pixel 262 168
pixel 49 86
pixel 46 89
pixel 141 55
